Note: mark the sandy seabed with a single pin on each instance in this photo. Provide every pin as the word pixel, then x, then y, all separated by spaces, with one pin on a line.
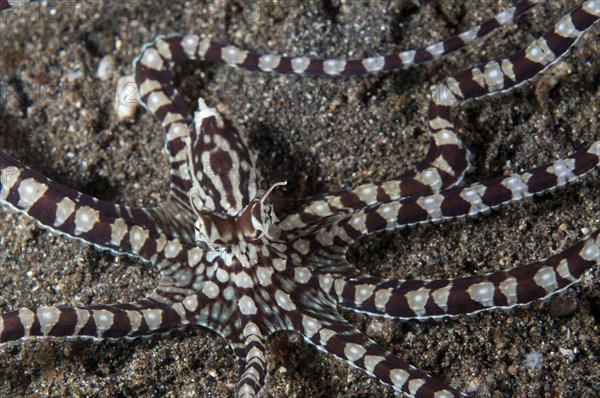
pixel 319 134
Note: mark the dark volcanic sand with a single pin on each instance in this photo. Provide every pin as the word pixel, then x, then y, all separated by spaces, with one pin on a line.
pixel 318 134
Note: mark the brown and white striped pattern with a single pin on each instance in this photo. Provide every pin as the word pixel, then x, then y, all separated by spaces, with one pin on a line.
pixel 334 335
pixel 459 202
pixel 157 94
pixel 419 299
pixel 226 262
pixel 446 162
pixel 107 226
pixel 252 355
pixel 143 318
pixel 221 165
pixel 194 47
